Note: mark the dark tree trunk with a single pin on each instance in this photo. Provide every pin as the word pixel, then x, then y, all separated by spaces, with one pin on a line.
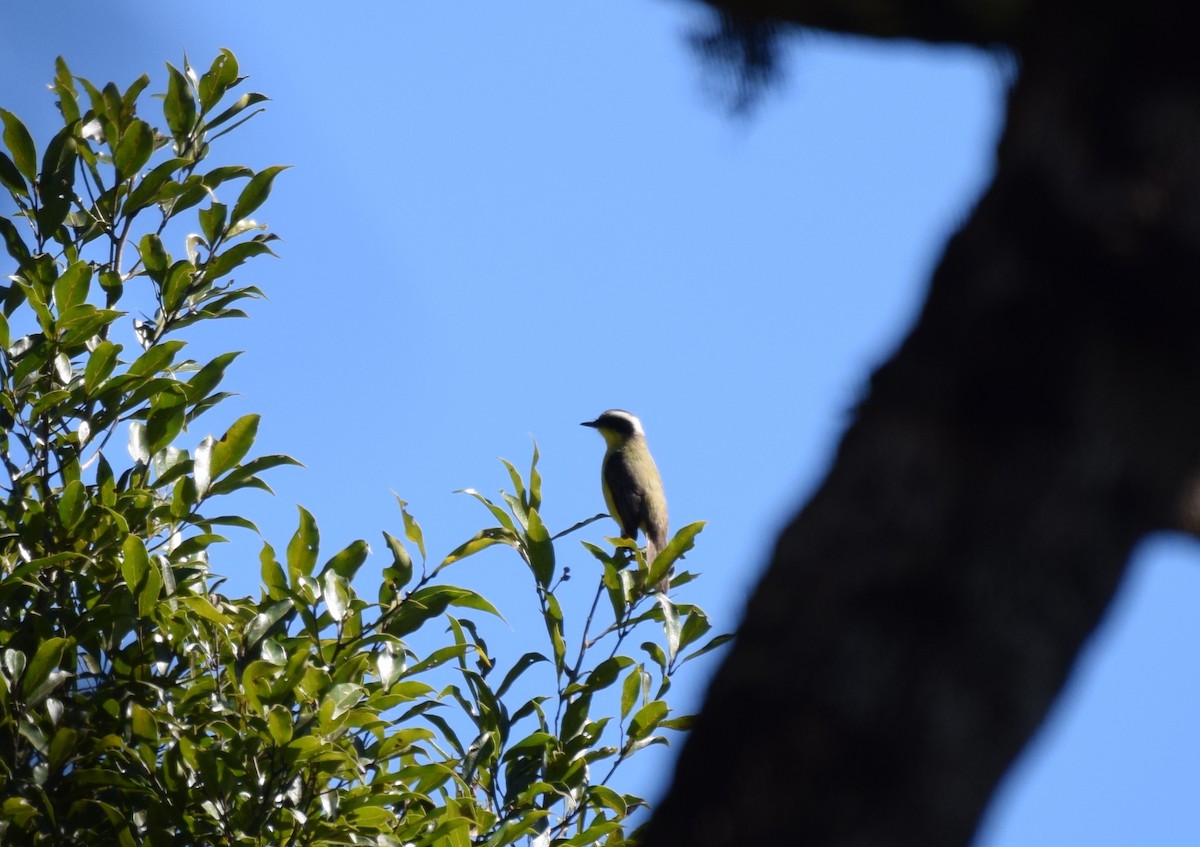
pixel 922 612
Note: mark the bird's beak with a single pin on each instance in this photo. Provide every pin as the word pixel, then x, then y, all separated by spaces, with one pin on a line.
pixel 588 423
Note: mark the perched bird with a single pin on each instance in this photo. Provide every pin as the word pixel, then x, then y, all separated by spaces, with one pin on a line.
pixel 632 487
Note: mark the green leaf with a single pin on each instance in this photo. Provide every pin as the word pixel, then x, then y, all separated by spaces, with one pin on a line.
pixel 62 746
pixel 18 810
pixel 148 595
pixel 135 563
pixel 401 570
pixel 234 444
pixel 302 549
pixel 64 87
pixel 438 657
pixel 389 664
pixel 335 589
pixel 656 653
pixel 605 673
pixel 575 715
pixel 261 623
pixel 682 542
pixel 154 256
pixel 498 513
pixel 142 723
pixel 196 544
pixel 100 365
pixel 179 107
pixel 540 549
pixel 522 664
pixel 535 482
pixel 684 723
pixel 71 503
pixel 48 657
pixel 71 288
pixel 224 263
pixel 129 98
pixel 695 626
pixel 209 377
pixel 343 697
pixel 15 245
pixel 176 284
pixel 14 663
pixel 221 75
pixel 279 724
pixel 202 467
pixel 273 576
pixel 646 719
pixel 480 541
pixel 412 530
pixel 553 617
pixel 711 645
pixel 11 178
pixel 20 144
pixel 255 193
pixel 212 221
pixel 203 607
pixel 156 359
pixel 670 625
pixel 56 182
pixel 149 189
pixel 431 601
pixel 347 562
pixel 165 420
pixel 241 104
pixel 134 149
pixel 629 690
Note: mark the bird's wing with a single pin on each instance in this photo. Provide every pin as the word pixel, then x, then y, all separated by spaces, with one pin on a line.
pixel 626 494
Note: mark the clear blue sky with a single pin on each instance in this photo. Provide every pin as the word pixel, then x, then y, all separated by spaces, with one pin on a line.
pixel 505 217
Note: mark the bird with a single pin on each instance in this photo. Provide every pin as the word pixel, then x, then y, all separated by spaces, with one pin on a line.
pixel 632 487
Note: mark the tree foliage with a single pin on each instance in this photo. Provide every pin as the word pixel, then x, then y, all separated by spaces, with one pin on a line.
pixel 138 703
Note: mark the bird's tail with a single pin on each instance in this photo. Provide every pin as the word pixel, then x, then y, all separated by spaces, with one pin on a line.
pixel 653 548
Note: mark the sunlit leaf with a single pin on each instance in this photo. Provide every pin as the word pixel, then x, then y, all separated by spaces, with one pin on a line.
pixel 541 550
pixel 335 588
pixel 71 288
pixel 680 543
pixel 401 570
pixel 135 563
pixel 273 576
pixel 20 144
pixel 346 562
pixel 234 444
pixel 302 549
pixel 100 365
pixel 179 107
pixel 645 719
pixel 264 620
pixel 629 690
pixel 412 530
pixel 134 149
pixel 279 723
pixel 255 193
pixel 48 657
pixel 671 626
pixel 222 74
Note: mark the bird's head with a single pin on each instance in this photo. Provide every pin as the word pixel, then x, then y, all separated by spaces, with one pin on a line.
pixel 617 426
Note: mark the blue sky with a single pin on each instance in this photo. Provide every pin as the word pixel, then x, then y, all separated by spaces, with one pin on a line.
pixel 503 218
